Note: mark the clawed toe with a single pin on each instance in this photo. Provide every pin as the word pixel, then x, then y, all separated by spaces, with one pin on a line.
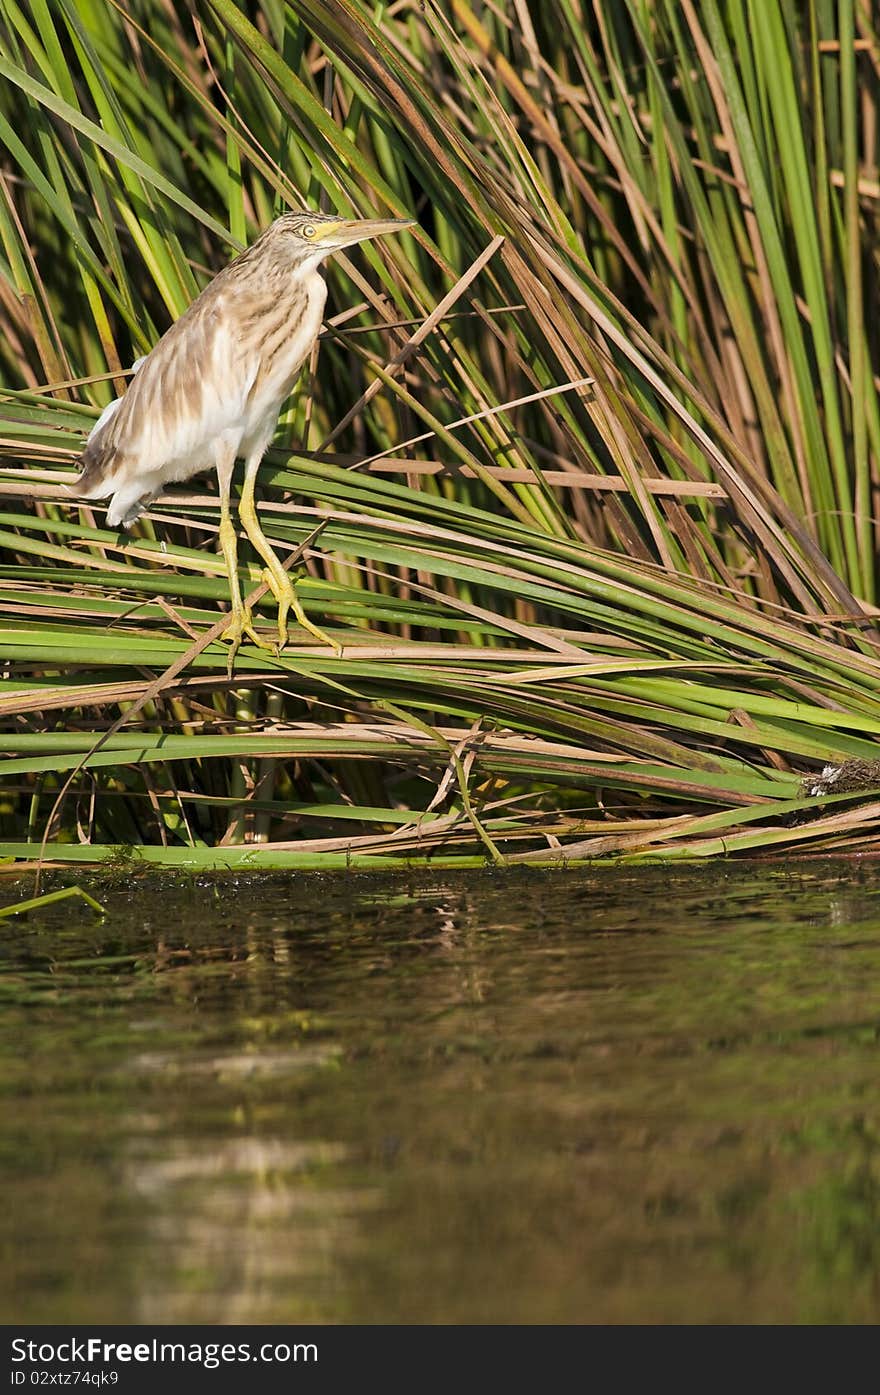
pixel 284 591
pixel 241 625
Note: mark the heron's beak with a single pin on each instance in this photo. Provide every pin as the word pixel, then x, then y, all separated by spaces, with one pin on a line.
pixel 348 231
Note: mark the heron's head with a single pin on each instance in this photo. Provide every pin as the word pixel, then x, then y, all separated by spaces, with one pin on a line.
pixel 312 236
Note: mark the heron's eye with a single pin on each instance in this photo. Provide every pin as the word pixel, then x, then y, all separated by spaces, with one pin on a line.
pixel 308 231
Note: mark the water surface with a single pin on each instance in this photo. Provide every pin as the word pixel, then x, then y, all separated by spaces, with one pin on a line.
pixel 614 1095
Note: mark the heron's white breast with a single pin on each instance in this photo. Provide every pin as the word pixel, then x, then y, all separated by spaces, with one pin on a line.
pixel 265 399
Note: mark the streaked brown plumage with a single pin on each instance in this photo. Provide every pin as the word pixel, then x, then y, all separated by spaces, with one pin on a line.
pixel 213 387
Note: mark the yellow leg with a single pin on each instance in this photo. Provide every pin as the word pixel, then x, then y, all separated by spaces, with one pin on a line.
pixel 280 583
pixel 240 623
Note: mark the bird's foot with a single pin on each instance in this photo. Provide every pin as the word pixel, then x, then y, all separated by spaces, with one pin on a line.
pixel 241 624
pixel 284 591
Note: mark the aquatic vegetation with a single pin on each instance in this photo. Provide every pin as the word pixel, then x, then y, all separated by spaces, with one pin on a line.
pixel 583 475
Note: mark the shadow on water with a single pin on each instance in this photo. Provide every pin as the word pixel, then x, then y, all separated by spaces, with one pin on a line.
pixel 613 1095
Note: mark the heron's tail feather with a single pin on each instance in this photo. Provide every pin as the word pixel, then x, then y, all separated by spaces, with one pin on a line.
pixel 108 469
pixel 128 505
pixel 98 464
pixel 106 475
pixel 100 459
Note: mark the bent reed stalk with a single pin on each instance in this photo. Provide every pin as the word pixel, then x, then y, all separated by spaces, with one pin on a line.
pixel 593 455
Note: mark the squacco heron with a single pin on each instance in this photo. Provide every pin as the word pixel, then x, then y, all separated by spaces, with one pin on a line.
pixel 212 388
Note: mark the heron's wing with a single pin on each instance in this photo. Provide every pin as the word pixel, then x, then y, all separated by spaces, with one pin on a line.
pixel 192 387
pixel 112 407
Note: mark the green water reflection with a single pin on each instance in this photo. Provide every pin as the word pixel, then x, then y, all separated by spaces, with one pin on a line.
pixel 596 1096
